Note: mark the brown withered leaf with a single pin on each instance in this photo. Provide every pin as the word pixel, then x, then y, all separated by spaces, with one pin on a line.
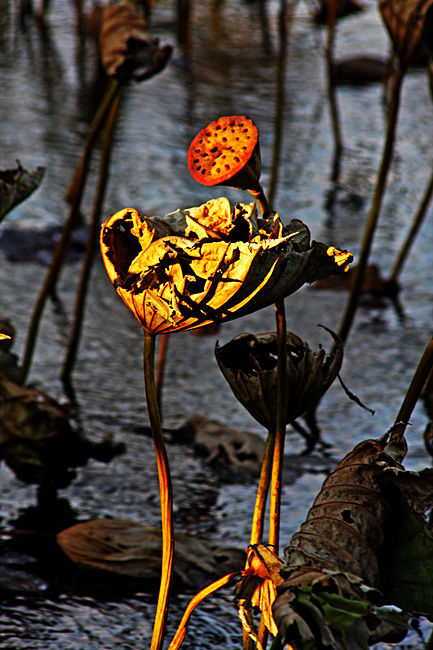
pixel 39 440
pixel 16 185
pixel 406 24
pixel 332 563
pixel 204 265
pixel 131 549
pixel 125 48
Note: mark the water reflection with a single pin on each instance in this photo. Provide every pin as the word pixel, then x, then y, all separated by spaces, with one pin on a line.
pixel 51 86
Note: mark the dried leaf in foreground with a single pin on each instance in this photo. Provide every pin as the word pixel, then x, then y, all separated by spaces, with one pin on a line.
pixel 331 595
pixel 208 264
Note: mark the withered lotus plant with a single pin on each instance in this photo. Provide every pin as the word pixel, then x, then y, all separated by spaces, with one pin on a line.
pixel 208 264
pixel 249 363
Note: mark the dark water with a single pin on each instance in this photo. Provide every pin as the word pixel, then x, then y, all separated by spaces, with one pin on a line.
pixel 49 95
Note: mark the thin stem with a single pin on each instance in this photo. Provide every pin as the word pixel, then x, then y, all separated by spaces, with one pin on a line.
pixel 75 332
pixel 332 97
pixel 262 201
pixel 424 368
pixel 262 490
pixel 370 227
pixel 416 225
pixel 283 17
pixel 63 243
pixel 280 432
pixel 163 343
pixel 165 489
pixel 80 171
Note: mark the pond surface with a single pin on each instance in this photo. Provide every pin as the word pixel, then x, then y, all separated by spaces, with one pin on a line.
pixel 49 95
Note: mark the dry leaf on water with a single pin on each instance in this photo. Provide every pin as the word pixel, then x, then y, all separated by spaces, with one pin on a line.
pixel 39 441
pixel 410 25
pixel 208 264
pixel 333 565
pixel 128 548
pixel 16 185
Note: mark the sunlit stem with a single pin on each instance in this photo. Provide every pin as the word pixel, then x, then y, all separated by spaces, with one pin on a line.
pixel 63 243
pixel 263 490
pixel 280 432
pixel 372 220
pixel 416 225
pixel 422 373
pixel 92 235
pixel 162 357
pixel 262 201
pixel 196 600
pixel 165 489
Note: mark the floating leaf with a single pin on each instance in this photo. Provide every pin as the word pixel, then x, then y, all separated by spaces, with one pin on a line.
pixel 208 264
pixel 249 363
pixel 132 549
pixel 406 23
pixel 38 439
pixel 16 185
pixel 125 48
pixel 227 152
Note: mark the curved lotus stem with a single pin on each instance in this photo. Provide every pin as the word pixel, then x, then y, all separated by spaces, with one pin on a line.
pixel 421 375
pixel 196 600
pixel 165 488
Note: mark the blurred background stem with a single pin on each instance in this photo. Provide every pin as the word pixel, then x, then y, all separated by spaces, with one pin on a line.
pixel 80 175
pixel 92 236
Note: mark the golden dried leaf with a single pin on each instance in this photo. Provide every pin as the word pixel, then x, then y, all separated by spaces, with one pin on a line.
pixel 406 24
pixel 258 586
pixel 205 265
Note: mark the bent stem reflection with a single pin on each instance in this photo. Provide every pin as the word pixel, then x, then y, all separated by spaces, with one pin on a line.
pixel 165 489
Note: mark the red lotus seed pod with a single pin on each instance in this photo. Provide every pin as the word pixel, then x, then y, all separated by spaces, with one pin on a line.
pixel 227 152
